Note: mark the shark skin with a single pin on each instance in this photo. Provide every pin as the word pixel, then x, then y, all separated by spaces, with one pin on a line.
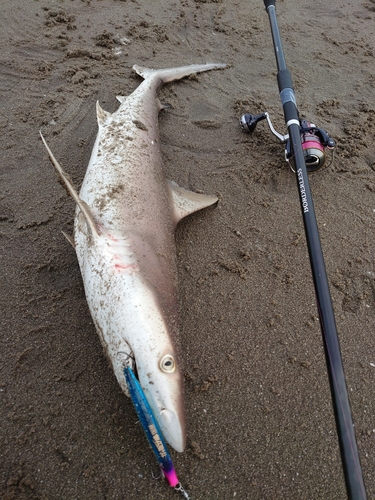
pixel 124 239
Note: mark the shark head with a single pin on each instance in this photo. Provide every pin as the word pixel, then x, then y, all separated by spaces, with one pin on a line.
pixel 136 333
pixel 162 383
pixel 134 328
pixel 154 361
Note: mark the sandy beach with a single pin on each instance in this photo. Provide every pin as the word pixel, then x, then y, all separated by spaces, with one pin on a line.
pixel 260 422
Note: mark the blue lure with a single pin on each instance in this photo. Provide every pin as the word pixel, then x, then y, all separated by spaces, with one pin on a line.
pixel 152 429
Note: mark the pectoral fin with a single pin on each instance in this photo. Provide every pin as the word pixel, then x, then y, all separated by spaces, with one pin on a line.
pixel 72 191
pixel 187 202
pixel 70 239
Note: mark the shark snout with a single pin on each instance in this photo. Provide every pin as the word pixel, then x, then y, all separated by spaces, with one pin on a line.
pixel 173 429
pixel 165 396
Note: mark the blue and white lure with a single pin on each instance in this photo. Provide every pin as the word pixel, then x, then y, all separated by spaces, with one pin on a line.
pixel 152 431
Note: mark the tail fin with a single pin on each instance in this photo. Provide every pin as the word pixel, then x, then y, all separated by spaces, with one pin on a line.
pixel 170 74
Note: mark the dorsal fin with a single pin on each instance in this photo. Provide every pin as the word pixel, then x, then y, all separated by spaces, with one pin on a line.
pixel 102 115
pixel 187 202
pixel 73 193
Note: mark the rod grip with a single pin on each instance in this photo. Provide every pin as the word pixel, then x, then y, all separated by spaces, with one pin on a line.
pixel 284 79
pixel 268 3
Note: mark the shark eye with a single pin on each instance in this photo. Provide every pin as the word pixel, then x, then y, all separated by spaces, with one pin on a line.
pixel 167 364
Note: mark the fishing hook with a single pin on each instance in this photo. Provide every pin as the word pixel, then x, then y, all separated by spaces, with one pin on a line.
pixel 183 492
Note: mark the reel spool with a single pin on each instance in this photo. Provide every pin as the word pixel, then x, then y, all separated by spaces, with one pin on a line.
pixel 316 143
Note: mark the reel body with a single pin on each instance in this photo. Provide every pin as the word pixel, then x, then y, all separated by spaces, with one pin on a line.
pixel 316 143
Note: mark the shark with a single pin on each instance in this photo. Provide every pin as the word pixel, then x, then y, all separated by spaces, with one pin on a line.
pixel 124 238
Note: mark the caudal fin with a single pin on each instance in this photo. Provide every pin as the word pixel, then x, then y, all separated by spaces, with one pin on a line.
pixel 171 74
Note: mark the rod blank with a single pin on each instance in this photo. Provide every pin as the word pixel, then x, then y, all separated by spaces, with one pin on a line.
pixel 344 423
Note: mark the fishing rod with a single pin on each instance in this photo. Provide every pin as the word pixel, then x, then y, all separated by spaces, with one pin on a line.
pixel 307 148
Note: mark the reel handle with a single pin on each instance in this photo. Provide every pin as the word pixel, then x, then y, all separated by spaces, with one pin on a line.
pixel 248 121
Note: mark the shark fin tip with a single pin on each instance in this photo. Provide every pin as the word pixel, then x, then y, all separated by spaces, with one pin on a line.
pixel 101 114
pixel 70 239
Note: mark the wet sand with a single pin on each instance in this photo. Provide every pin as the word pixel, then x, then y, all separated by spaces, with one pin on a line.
pixel 259 413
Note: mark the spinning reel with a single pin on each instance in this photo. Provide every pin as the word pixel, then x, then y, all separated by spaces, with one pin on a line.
pixel 316 143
